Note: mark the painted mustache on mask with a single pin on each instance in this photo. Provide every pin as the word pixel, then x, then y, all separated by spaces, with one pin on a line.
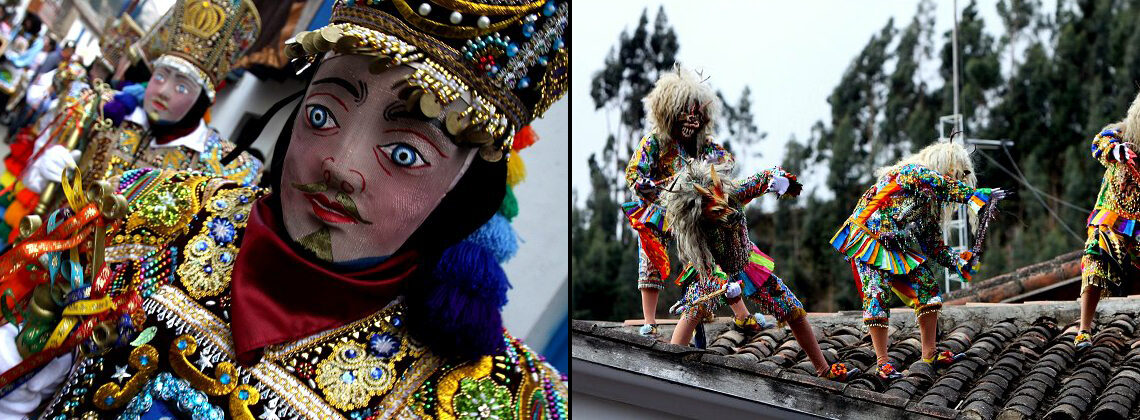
pixel 341 198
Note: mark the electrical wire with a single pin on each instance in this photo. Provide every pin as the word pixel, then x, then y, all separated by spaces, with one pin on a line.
pixel 1037 195
pixel 1031 187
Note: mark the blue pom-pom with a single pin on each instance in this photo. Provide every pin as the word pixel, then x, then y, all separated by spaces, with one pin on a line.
pixel 497 236
pixel 458 310
pixel 129 101
pixel 137 90
pixel 116 111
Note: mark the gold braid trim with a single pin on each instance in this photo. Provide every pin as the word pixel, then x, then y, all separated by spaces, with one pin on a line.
pixel 923 310
pixel 145 359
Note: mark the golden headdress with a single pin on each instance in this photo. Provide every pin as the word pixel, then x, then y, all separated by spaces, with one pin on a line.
pixel 121 34
pixel 507 60
pixel 203 38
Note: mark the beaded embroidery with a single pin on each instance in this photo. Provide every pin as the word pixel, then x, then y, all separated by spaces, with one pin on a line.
pixel 352 376
pixel 210 254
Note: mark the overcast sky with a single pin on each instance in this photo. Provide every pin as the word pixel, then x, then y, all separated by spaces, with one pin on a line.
pixel 790 53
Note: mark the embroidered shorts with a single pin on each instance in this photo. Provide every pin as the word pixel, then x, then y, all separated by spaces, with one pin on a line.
pixel 1109 258
pixel 917 289
pixel 773 297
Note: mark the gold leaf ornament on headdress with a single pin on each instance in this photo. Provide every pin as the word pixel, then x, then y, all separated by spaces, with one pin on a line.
pixel 203 18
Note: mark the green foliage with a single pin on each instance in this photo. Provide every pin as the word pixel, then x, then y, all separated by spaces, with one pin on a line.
pixel 1049 82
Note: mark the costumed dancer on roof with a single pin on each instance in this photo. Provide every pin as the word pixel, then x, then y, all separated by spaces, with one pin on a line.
pixel 706 215
pixel 1112 253
pixel 680 111
pixel 894 238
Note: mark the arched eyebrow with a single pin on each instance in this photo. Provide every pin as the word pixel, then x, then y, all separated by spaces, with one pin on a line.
pixel 352 90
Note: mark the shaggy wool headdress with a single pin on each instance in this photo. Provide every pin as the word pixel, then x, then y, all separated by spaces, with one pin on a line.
pixel 699 204
pixel 948 158
pixel 674 91
pixel 1130 124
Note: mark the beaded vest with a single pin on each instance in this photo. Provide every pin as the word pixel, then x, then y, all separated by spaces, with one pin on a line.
pixel 177 246
pixel 126 147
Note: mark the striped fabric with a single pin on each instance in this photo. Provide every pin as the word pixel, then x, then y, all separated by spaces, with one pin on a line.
pixel 1121 225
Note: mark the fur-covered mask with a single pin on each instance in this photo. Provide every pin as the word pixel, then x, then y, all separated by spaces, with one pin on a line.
pixel 707 218
pixel 677 96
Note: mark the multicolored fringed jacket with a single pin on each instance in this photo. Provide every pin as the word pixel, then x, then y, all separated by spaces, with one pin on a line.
pixel 657 159
pixel 170 262
pixel 736 258
pixel 126 147
pixel 1118 204
pixel 897 224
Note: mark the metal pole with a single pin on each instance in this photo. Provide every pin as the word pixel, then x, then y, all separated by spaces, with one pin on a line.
pixel 955 61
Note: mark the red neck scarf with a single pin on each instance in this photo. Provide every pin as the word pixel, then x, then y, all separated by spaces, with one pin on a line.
pixel 279 296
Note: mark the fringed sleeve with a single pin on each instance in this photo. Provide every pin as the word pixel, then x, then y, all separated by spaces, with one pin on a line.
pixel 937 186
pixel 1102 145
pixel 641 163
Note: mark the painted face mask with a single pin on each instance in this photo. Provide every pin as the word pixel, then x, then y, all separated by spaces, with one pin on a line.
pixel 169 95
pixel 364 169
pixel 689 121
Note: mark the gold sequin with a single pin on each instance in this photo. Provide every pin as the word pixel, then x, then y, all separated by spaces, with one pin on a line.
pixel 449 384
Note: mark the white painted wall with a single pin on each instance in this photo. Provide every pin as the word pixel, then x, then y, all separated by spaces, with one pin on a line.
pixel 539 273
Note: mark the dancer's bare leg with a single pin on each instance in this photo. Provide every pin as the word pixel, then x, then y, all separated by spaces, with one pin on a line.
pixel 928 333
pixel 879 341
pixel 801 330
pixel 649 305
pixel 1089 299
pixel 683 334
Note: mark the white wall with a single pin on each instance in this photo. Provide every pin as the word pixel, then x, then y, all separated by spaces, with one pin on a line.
pixel 539 273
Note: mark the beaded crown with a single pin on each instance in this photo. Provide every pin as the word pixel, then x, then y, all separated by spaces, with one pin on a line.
pixel 204 38
pixel 506 60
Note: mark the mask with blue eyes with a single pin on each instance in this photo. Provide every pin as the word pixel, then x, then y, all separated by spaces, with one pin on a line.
pixel 321 119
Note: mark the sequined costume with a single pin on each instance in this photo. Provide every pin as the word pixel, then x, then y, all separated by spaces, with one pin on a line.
pixel 759 285
pixel 128 147
pixel 714 215
pixel 1111 252
pixel 658 159
pixel 178 259
pixel 894 236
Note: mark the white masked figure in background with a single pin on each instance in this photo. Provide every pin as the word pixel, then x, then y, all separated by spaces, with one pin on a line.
pixel 165 127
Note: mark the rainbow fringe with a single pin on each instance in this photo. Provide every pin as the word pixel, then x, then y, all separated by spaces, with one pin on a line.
pixel 651 215
pixel 859 244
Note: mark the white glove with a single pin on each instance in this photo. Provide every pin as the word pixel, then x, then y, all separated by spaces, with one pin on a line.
pixel 1123 152
pixel 25 399
pixel 779 185
pixel 49 167
pixel 733 290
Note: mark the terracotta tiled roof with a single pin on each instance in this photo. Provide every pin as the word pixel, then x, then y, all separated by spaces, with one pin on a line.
pixel 1020 362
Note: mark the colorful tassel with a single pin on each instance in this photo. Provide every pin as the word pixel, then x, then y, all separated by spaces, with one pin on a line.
pixel 457 311
pixel 524 138
pixel 516 171
pixel 498 237
pixel 510 206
